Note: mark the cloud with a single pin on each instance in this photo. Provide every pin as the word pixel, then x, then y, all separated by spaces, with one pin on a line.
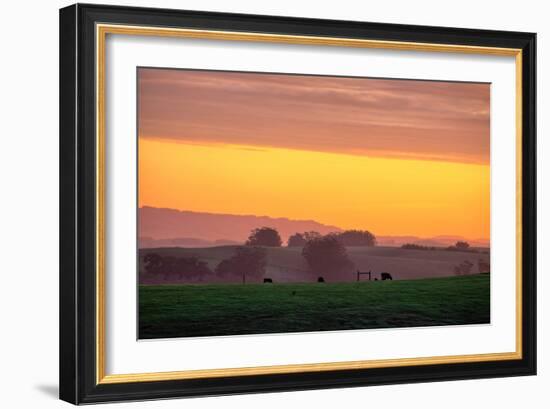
pixel 362 116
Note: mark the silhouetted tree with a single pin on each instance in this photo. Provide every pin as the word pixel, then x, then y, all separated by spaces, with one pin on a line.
pixel 190 267
pixel 264 236
pixel 250 261
pixel 152 262
pixel 412 246
pixel 171 267
pixel 300 239
pixel 462 246
pixel 297 240
pixel 356 238
pixel 463 268
pixel 310 235
pixel 226 267
pixel 327 256
pixel 483 266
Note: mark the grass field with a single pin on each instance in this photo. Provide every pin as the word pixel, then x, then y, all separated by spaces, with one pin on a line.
pixel 229 309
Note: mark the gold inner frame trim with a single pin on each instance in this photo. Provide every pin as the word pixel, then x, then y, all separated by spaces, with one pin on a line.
pixel 101 33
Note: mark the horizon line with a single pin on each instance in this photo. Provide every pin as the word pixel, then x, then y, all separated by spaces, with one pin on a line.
pixel 394 235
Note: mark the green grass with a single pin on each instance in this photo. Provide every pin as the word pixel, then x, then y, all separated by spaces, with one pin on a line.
pixel 205 310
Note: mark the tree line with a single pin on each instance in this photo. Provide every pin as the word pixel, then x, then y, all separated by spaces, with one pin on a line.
pixel 269 237
pixel 247 262
pixel 463 246
pixel 325 255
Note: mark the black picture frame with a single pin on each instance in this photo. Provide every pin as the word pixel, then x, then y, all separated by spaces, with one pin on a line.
pixel 78 360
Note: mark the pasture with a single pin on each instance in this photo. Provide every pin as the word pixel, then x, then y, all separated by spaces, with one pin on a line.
pixel 286 264
pixel 193 310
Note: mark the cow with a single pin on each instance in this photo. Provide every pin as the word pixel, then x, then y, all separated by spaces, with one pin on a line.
pixel 386 276
pixel 268 280
pixel 320 280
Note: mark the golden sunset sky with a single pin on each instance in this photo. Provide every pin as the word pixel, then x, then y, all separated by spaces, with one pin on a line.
pixel 396 157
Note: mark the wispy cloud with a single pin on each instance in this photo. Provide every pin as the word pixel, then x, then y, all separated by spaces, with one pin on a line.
pixel 362 116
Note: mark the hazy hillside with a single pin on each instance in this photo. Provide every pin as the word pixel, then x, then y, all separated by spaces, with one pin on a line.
pixel 179 228
pixel 150 243
pixel 287 264
pixel 155 224
pixel 436 241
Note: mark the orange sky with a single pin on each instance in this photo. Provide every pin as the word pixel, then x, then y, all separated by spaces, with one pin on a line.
pixel 396 157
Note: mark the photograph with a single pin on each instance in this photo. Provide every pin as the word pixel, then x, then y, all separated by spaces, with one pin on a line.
pixel 256 202
pixel 288 203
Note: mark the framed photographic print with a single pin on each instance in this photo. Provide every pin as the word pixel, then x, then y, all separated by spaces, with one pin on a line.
pixel 258 203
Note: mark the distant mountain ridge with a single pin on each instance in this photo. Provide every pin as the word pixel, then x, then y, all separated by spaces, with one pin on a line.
pixel 187 226
pixel 435 241
pixel 188 242
pixel 163 227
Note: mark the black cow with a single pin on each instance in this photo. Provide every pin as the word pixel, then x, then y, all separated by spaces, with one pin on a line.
pixel 320 280
pixel 386 276
pixel 268 280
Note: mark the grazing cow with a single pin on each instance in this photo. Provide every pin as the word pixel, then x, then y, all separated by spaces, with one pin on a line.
pixel 386 276
pixel 320 280
pixel 268 280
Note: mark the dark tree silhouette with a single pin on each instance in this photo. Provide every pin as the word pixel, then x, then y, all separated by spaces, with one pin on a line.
pixel 483 266
pixel 297 240
pixel 248 261
pixel 412 246
pixel 327 256
pixel 310 235
pixel 190 267
pixel 175 267
pixel 152 262
pixel 226 267
pixel 462 245
pixel 300 239
pixel 356 238
pixel 463 268
pixel 264 236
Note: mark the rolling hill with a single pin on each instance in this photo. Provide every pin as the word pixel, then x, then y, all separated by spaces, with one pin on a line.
pixel 286 264
pixel 161 227
pixel 162 224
